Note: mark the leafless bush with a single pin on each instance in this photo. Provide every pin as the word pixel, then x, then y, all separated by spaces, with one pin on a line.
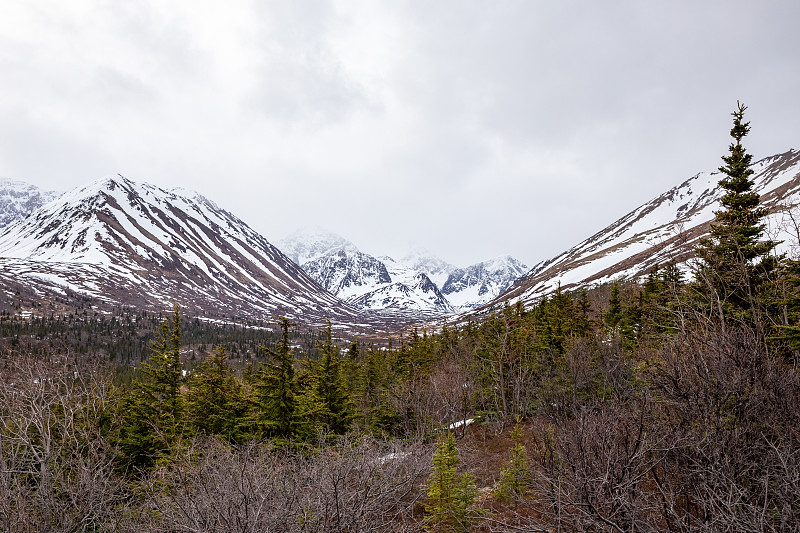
pixel 442 398
pixel 737 409
pixel 56 469
pixel 595 472
pixel 359 486
pixel 709 441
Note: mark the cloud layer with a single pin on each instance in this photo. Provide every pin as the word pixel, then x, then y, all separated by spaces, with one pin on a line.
pixel 471 129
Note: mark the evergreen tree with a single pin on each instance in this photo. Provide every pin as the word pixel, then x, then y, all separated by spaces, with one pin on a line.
pixel 449 495
pixel 153 410
pixel 515 476
pixel 659 301
pixel 734 261
pixel 331 387
pixel 276 388
pixel 215 401
pixel 613 316
pixel 310 412
pixel 352 369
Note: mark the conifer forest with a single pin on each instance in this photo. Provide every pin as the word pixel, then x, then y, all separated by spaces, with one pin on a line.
pixel 667 404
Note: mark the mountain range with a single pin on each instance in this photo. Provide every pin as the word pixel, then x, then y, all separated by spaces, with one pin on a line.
pixel 116 242
pixel 418 284
pixel 126 243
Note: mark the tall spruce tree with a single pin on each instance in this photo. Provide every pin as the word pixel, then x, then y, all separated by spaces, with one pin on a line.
pixel 277 388
pixel 332 388
pixel 734 260
pixel 153 411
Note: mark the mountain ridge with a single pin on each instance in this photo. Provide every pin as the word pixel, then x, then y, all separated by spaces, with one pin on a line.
pixel 383 284
pixel 159 246
pixel 660 231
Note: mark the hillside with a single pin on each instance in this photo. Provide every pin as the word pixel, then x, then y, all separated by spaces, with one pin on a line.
pixel 666 229
pixel 136 244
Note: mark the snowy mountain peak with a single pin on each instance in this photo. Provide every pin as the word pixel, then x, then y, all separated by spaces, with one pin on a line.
pixel 480 283
pixel 18 199
pixel 309 244
pixel 115 236
pixel 422 260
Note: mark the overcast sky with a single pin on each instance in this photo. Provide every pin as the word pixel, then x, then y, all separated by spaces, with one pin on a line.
pixel 472 129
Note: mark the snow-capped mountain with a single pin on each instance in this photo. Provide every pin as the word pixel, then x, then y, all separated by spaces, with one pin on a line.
pixel 422 260
pixel 667 229
pixel 379 285
pixel 19 199
pixel 134 243
pixel 411 286
pixel 482 282
pixel 309 244
pixel 415 296
pixel 347 273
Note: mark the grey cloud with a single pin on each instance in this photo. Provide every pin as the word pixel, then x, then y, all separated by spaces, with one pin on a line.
pixel 499 121
pixel 300 80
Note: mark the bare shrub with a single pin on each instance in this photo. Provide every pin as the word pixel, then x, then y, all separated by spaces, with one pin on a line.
pixel 56 469
pixel 737 409
pixel 367 485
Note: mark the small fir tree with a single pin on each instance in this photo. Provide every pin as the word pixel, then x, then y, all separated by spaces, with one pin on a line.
pixel 276 389
pixel 450 495
pixel 331 388
pixel 515 475
pixel 613 316
pixel 215 400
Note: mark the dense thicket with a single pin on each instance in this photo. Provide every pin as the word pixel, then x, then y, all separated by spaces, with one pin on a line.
pixel 670 405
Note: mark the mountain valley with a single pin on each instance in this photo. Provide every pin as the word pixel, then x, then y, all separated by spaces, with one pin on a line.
pixel 117 242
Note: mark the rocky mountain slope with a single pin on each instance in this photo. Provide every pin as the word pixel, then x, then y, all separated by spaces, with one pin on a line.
pixel 482 282
pixel 378 285
pixel 136 244
pixel 666 229
pixel 18 199
pixel 412 286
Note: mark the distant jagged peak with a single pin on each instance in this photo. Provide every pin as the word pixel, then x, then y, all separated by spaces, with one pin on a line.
pixel 419 256
pixel 420 259
pixel 18 199
pixel 309 243
pixel 502 263
pixel 16 185
pixel 12 187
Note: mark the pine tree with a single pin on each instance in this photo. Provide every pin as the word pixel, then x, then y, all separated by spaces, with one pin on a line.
pixel 733 260
pixel 153 410
pixel 331 388
pixel 215 401
pixel 449 495
pixel 277 388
